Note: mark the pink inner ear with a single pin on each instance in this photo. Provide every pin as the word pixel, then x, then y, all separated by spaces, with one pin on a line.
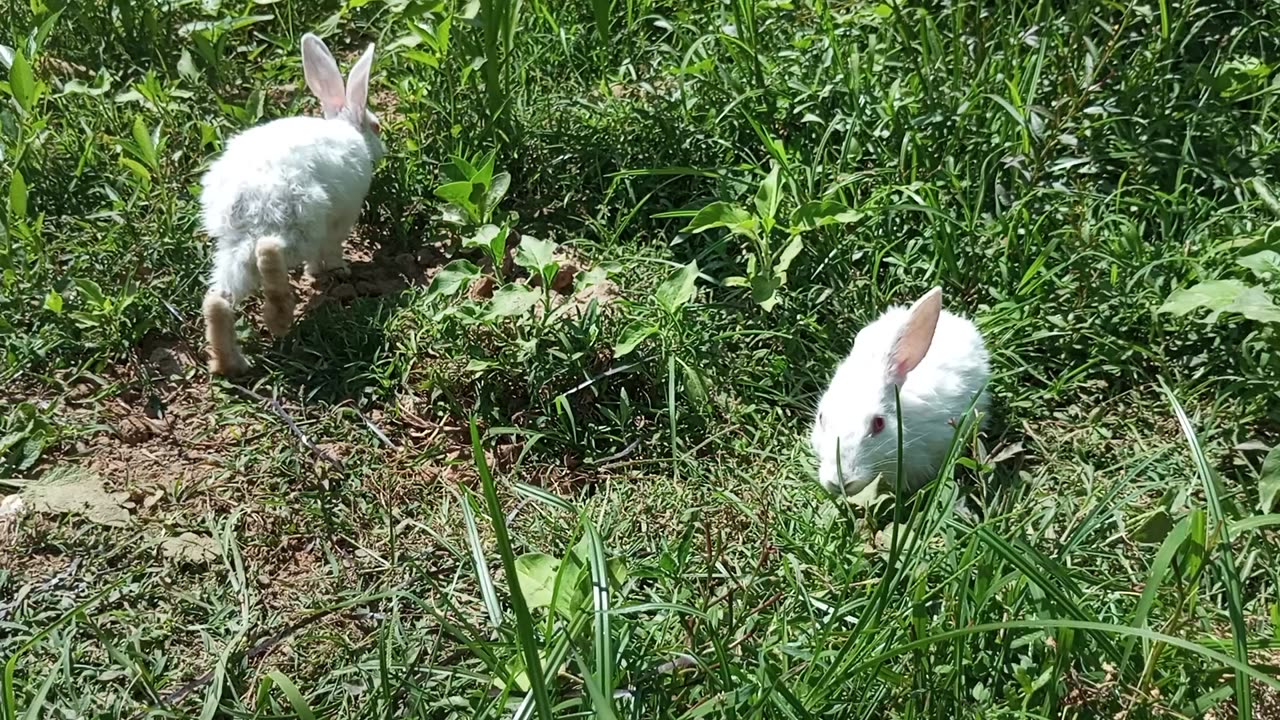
pixel 915 337
pixel 321 73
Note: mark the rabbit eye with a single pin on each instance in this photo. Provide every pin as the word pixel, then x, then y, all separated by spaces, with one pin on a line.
pixel 377 127
pixel 877 424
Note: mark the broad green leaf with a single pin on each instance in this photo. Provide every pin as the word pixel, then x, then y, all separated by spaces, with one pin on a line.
pixel 477 365
pixel 465 170
pixel 142 137
pixel 1269 481
pixel 722 214
pixel 53 301
pixel 536 573
pixel 817 213
pixel 138 169
pixel 617 571
pixel 32 447
pixel 91 290
pixel 789 253
pixel 594 276
pixel 677 290
pixel 767 198
pixel 485 237
pixel 535 255
pixel 1265 264
pixel 632 336
pixel 457 193
pixel 764 291
pixel 22 83
pixel 484 174
pixel 453 277
pixel 695 387
pixel 497 190
pixel 17 195
pixel 511 300
pixel 454 215
pixel 1219 296
pixel 1244 74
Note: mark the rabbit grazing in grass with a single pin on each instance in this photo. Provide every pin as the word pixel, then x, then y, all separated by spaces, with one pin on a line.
pixel 284 193
pixel 940 364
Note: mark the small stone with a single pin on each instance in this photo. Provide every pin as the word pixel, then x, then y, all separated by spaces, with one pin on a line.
pixel 134 430
pixel 481 288
pixel 190 548
pixel 167 362
pixel 345 291
pixel 563 281
pixel 406 261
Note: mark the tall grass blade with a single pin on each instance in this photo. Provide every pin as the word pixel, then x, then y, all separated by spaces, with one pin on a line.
pixel 600 583
pixel 483 577
pixel 601 11
pixel 1226 561
pixel 291 693
pixel 525 630
pixel 1155 579
pixel 10 666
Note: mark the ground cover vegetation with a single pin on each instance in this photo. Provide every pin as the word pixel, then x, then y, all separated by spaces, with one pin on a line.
pixel 543 452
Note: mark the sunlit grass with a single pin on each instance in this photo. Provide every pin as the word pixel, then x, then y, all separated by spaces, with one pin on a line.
pixel 439 500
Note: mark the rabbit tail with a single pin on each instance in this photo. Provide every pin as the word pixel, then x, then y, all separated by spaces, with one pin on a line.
pixel 273 269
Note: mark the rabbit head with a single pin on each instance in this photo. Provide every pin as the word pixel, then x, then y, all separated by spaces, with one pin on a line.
pixel 345 102
pixel 855 434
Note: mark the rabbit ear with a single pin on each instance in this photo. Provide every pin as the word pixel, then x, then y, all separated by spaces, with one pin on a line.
pixel 321 72
pixel 358 84
pixel 915 337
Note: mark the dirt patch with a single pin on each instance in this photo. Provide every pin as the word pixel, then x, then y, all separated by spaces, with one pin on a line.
pixel 370 272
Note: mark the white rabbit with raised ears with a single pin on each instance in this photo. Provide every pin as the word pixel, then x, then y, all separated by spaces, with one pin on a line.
pixel 940 364
pixel 284 193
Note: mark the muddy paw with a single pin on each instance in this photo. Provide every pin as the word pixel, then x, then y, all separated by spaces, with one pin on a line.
pixel 277 317
pixel 228 364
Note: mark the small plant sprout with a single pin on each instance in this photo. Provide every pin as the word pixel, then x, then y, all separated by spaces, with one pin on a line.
pixel 767 260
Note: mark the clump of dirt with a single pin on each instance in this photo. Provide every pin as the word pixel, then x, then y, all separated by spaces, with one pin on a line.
pixel 73 491
pixel 190 548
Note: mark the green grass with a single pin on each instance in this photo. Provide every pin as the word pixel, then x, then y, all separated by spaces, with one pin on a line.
pixel 363 499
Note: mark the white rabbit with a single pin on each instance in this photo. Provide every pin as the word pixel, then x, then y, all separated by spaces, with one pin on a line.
pixel 284 193
pixel 940 363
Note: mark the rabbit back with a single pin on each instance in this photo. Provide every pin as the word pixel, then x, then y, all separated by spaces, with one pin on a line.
pixel 295 178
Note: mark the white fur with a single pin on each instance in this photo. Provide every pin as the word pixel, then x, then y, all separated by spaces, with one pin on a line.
pixel 303 179
pixel 285 193
pixel 936 389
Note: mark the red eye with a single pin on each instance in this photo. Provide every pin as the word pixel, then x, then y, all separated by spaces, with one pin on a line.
pixel 377 127
pixel 877 424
